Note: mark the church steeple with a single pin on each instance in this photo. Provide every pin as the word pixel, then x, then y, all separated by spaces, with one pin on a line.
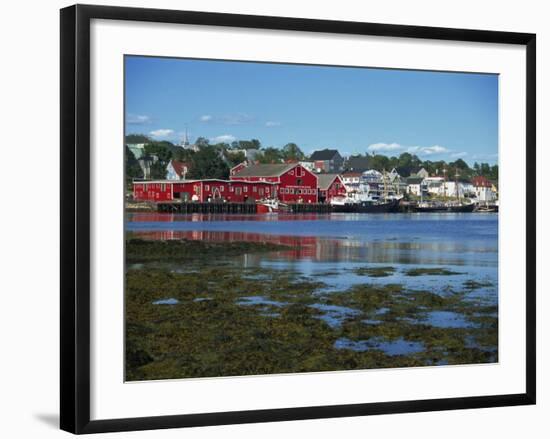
pixel 185 140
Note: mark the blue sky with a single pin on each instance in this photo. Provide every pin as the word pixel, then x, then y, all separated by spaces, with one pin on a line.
pixel 355 110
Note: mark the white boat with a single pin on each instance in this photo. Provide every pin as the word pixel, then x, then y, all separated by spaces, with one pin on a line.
pixel 270 206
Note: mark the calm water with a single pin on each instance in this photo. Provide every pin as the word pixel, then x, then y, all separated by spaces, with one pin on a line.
pixel 331 247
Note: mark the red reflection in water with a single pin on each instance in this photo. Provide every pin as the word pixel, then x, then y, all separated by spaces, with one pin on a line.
pixel 169 217
pixel 300 246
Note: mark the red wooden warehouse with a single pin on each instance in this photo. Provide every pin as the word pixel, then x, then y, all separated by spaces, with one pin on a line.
pixel 330 186
pixel 202 190
pixel 293 182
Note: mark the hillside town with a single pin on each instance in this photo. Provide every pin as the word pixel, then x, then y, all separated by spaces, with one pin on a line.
pixel 161 172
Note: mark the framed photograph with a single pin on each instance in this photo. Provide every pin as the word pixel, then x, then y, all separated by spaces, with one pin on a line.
pixel 268 218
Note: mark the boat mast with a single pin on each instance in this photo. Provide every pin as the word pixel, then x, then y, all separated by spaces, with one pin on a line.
pixel 456 185
pixel 384 181
pixel 445 182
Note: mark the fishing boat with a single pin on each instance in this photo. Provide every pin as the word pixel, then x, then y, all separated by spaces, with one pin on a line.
pixel 457 205
pixel 271 206
pixel 351 205
pixel 368 198
pixel 435 206
pixel 487 208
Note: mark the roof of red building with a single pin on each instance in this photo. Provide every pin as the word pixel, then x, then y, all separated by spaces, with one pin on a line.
pixel 275 170
pixel 481 181
pixel 206 180
pixel 179 167
pixel 325 180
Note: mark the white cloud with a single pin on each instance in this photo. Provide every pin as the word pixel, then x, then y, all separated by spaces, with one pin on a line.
pixel 427 150
pixel 206 118
pixel 459 154
pixel 272 123
pixel 419 150
pixel 379 147
pixel 138 119
pixel 162 133
pixel 224 138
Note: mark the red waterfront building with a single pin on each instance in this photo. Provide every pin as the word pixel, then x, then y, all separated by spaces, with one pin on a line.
pixel 289 183
pixel 202 190
pixel 330 186
pixel 292 182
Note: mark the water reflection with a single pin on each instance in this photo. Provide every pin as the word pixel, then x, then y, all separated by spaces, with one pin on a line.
pixel 329 247
pixel 345 249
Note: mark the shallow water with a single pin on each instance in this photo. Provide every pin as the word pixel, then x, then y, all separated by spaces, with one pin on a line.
pixel 394 347
pixel 336 248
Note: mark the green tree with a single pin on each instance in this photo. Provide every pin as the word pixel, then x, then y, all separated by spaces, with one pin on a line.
pixel 202 142
pixel 208 163
pixel 234 158
pixel 137 138
pixel 160 149
pixel 270 155
pixel 158 171
pixel 485 169
pixel 407 163
pixel 247 144
pixel 183 155
pixel 379 162
pixel 133 170
pixel 291 151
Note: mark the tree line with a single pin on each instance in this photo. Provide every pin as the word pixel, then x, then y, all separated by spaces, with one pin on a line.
pixel 215 160
pixel 406 164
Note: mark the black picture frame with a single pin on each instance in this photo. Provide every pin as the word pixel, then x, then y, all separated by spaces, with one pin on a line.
pixel 75 217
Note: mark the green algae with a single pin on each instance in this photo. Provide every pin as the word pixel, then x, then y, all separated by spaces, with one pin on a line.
pixel 288 333
pixel 374 271
pixel 471 284
pixel 141 250
pixel 437 271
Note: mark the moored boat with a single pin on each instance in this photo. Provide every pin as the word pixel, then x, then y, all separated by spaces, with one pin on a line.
pixel 487 208
pixel 270 206
pixel 434 206
pixel 349 205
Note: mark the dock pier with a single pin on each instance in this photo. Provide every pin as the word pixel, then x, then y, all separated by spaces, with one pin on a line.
pixel 206 208
pixel 242 208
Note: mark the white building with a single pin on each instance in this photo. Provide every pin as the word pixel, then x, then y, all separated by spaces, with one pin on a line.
pixel 439 187
pixel 435 185
pixel 372 176
pixel 416 186
pixel 351 180
pixel 176 170
pixel 310 166
pixel 484 191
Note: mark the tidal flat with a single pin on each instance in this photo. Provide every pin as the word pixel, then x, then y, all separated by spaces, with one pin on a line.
pixel 194 309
